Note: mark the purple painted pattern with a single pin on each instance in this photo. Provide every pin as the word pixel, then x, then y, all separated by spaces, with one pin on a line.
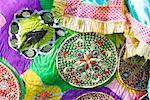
pixel 73 94
pixel 8 8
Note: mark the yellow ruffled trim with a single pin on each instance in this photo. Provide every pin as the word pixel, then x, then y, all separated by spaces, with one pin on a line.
pixel 85 24
pixel 90 25
pixel 137 48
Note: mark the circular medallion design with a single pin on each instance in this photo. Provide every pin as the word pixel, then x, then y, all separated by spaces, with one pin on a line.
pixel 86 60
pixel 9 84
pixel 32 32
pixel 134 72
pixel 95 96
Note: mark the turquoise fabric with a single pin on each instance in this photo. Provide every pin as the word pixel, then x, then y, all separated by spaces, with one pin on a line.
pixel 149 88
pixel 140 10
pixel 96 2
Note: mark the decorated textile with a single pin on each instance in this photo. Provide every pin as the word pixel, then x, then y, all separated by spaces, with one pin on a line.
pixel 87 16
pixel 137 39
pixel 81 16
pixel 138 36
pixel 78 61
pixel 11 85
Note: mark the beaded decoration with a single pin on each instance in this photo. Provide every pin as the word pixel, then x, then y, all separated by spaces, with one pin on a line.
pixel 10 84
pixel 103 93
pixel 33 32
pixel 133 72
pixel 86 60
pixel 95 96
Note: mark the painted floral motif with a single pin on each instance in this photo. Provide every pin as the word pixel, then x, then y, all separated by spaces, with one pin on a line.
pixel 86 60
pixel 9 85
pixel 35 90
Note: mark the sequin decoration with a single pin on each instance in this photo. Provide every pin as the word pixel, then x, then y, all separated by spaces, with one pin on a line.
pixel 134 72
pixel 9 84
pixel 86 60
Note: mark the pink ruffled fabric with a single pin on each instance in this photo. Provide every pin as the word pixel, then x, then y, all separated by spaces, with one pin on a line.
pixel 2 20
pixel 112 11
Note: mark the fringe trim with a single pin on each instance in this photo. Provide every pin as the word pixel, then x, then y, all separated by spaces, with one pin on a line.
pixel 142 49
pixel 90 25
pixel 85 24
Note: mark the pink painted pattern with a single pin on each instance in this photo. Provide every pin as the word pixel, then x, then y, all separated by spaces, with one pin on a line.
pixel 140 31
pixel 112 11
